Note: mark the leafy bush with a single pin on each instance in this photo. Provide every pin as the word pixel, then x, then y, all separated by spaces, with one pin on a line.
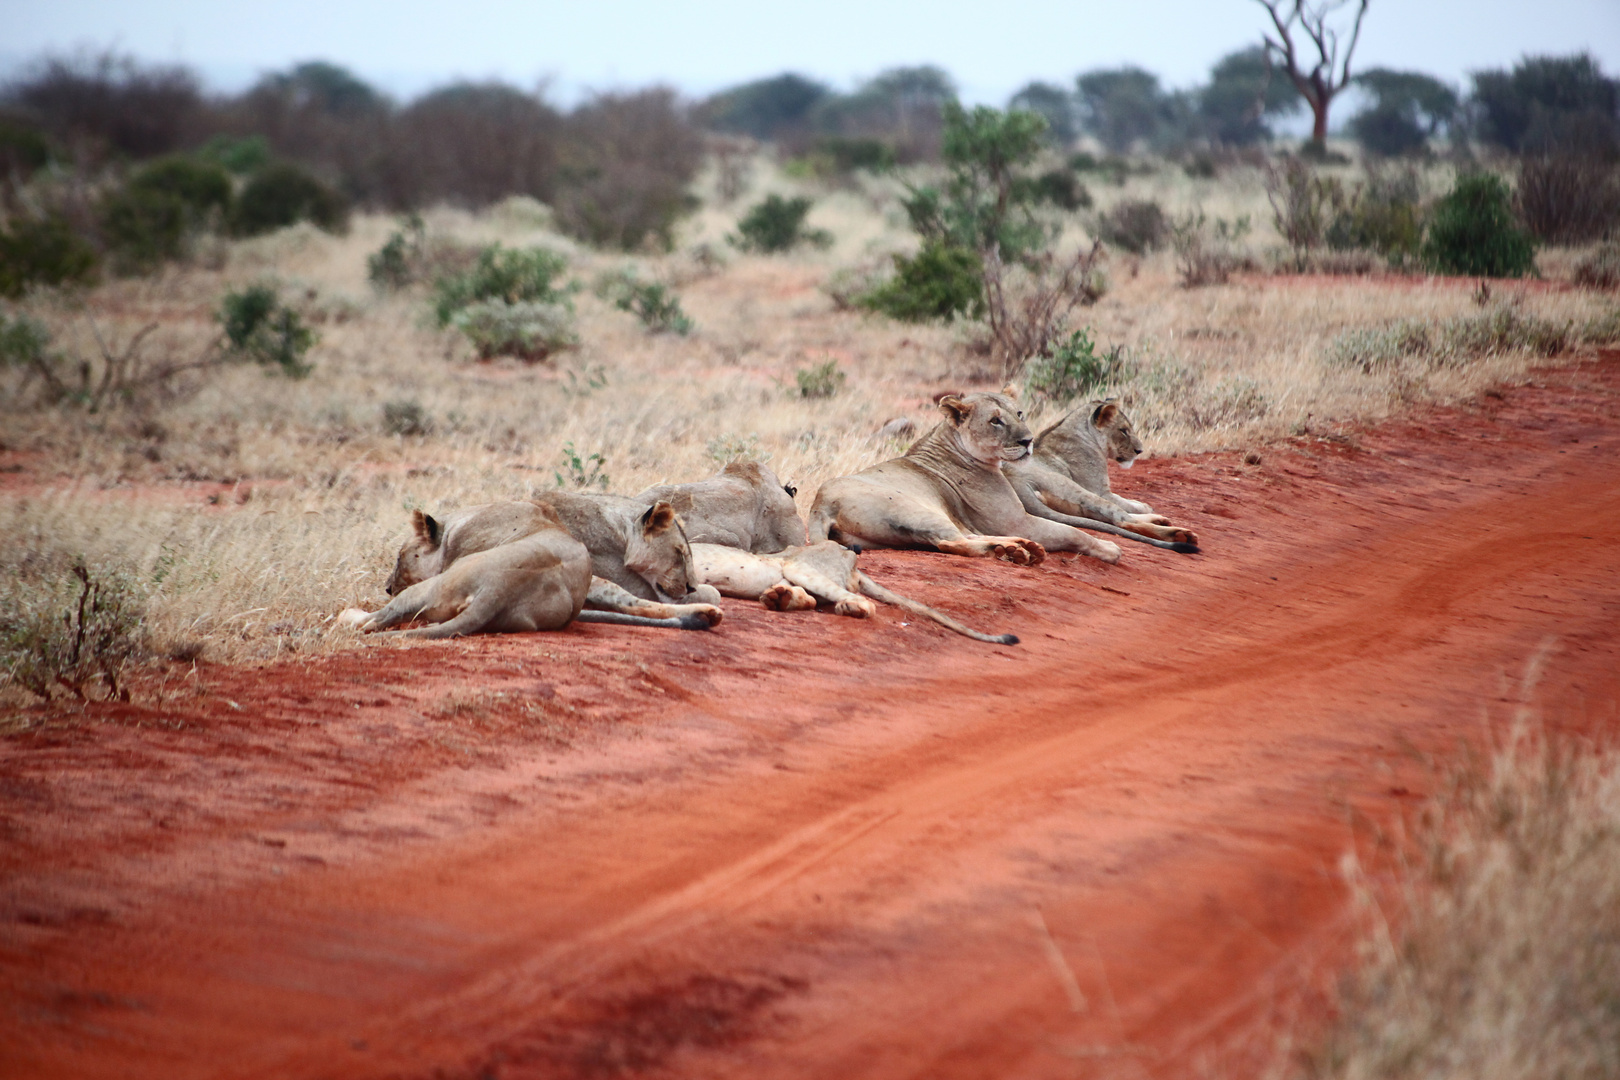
pixel 1073 369
pixel 654 303
pixel 1473 231
pixel 1382 215
pixel 1601 269
pixel 1205 254
pixel 821 381
pixel 58 634
pixel 942 281
pixel 579 472
pixel 394 265
pixel 1063 189
pixel 164 203
pixel 529 329
pixel 1301 203
pixel 838 156
pixel 1565 199
pixel 511 275
pixel 777 225
pixel 1550 103
pixel 23 151
pixel 201 185
pixel 261 329
pixel 282 195
pixel 43 251
pixel 1137 225
pixel 239 156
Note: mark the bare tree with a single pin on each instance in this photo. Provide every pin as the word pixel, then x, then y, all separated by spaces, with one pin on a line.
pixel 1322 82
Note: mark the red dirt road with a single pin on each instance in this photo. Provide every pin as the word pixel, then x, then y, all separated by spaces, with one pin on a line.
pixel 810 846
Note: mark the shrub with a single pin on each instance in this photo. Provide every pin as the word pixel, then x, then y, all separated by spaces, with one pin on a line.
pixel 72 636
pixel 579 472
pixel 1073 369
pixel 406 418
pixel 43 251
pixel 1381 216
pixel 283 195
pixel 202 186
pixel 1565 199
pixel 240 156
pixel 821 381
pixel 394 265
pixel 1063 189
pixel 1204 254
pixel 1473 231
pixel 259 328
pixel 654 303
pixel 1136 225
pixel 151 219
pixel 1232 400
pixel 942 281
pixel 1489 333
pixel 777 225
pixel 510 275
pixel 1601 269
pixel 1301 203
pixel 628 162
pixel 23 151
pixel 529 329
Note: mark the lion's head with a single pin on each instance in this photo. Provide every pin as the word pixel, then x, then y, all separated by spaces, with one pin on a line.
pixel 991 426
pixel 1120 440
pixel 657 552
pixel 420 557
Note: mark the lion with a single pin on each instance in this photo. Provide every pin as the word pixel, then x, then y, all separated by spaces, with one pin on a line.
pixel 1066 478
pixel 641 561
pixel 794 579
pixel 539 581
pixel 745 506
pixel 948 493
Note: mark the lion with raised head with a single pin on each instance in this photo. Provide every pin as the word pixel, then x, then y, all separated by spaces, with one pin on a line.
pixel 1065 478
pixel 948 493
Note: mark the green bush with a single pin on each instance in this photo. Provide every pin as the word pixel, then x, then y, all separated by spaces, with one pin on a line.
pixel 1137 225
pixel 1382 215
pixel 240 156
pixel 654 303
pixel 777 225
pixel 1062 188
pixel 1073 369
pixel 23 150
pixel 821 381
pixel 43 251
pixel 581 472
pixel 259 328
pixel 942 281
pixel 71 634
pixel 202 186
pixel 529 329
pixel 1473 231
pixel 163 204
pixel 511 275
pixel 393 266
pixel 282 195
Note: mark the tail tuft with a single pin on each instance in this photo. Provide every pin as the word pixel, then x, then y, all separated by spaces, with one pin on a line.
pixel 1186 549
pixel 693 621
pixel 1007 639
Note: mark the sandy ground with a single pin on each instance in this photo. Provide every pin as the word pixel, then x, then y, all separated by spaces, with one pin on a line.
pixel 801 845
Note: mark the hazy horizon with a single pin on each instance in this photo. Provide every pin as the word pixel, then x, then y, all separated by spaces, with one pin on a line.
pixel 408 47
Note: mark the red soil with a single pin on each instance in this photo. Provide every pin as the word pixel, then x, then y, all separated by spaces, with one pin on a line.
pixel 811 846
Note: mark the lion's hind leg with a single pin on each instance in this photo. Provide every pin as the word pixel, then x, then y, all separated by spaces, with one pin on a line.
pixel 605 596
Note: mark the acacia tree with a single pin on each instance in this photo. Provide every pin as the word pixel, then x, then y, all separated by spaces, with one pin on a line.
pixel 1321 83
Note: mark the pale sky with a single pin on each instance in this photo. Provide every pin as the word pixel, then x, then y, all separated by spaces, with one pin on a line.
pixel 698 46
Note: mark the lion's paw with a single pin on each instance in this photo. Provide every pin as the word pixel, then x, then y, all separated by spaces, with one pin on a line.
pixel 858 607
pixel 785 597
pixel 708 612
pixel 352 616
pixel 1020 552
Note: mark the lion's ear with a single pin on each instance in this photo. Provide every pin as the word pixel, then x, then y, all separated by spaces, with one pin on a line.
pixel 793 492
pixel 659 516
pixel 954 408
pixel 1010 391
pixel 1104 414
pixel 426 528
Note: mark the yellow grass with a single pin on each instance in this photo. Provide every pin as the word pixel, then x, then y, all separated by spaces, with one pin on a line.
pixel 322 489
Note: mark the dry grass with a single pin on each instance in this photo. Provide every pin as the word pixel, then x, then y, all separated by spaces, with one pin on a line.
pixel 1506 962
pixel 316 488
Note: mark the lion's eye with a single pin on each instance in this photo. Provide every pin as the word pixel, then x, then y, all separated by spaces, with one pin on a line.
pixel 996 420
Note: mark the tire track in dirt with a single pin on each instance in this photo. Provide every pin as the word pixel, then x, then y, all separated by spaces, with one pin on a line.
pixel 834 868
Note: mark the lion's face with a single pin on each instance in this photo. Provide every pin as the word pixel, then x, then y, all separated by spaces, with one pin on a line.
pixel 420 557
pixel 658 553
pixel 1120 439
pixel 991 426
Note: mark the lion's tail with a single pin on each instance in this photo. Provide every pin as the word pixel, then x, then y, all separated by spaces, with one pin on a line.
pixel 878 592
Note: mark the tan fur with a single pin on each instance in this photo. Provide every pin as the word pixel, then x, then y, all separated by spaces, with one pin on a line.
pixel 745 506
pixel 537 582
pixel 1066 477
pixel 795 579
pixel 948 493
pixel 643 547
